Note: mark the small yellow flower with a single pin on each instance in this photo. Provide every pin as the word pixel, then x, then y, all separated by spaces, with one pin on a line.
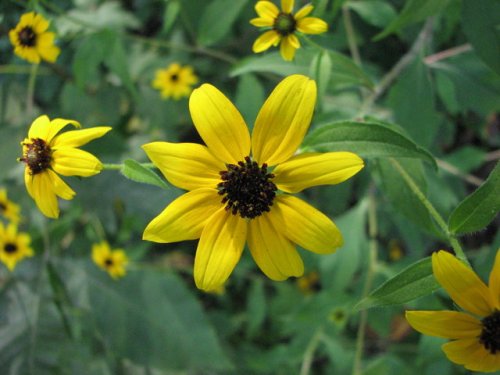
pixel 47 154
pixel 175 81
pixel 284 26
pixel 14 246
pixel 9 209
pixel 113 261
pixel 475 331
pixel 32 41
pixel 233 196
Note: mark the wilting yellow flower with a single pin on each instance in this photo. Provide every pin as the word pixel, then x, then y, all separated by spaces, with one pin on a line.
pixel 475 331
pixel 14 246
pixel 9 209
pixel 175 81
pixel 32 41
pixel 113 261
pixel 233 195
pixel 47 153
pixel 284 26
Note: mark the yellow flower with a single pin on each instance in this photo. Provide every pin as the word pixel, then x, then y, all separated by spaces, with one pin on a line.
pixel 232 195
pixel 175 81
pixel 284 26
pixel 475 331
pixel 9 209
pixel 113 261
pixel 32 41
pixel 14 246
pixel 47 153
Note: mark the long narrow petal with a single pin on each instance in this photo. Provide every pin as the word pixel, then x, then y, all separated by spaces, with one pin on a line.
pixel 471 354
pixel 219 250
pixel 287 6
pixel 446 324
pixel 69 161
pixel 462 284
pixel 312 169
pixel 60 187
pixel 311 25
pixel 28 181
pixel 494 282
pixel 44 195
pixel 303 12
pixel 184 218
pixel 266 40
pixel 267 10
pixel 220 124
pixel 262 22
pixel 77 138
pixel 283 120
pixel 275 255
pixel 288 46
pixel 45 129
pixel 186 165
pixel 306 226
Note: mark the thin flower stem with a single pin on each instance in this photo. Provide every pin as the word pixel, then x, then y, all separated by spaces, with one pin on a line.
pixel 471 179
pixel 309 353
pixel 351 36
pixel 119 166
pixel 372 265
pixel 431 209
pixel 446 54
pixel 31 89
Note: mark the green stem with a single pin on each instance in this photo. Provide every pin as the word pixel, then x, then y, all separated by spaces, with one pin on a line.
pixel 351 36
pixel 309 353
pixel 119 166
pixel 431 209
pixel 31 88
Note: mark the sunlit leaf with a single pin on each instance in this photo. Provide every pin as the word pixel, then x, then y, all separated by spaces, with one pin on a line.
pixel 139 173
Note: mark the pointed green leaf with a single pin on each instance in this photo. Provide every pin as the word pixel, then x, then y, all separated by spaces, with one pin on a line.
pixel 413 282
pixel 139 173
pixel 478 210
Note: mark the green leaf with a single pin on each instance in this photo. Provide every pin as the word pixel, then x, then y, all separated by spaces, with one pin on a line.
pixel 249 98
pixel 170 16
pixel 321 72
pixel 480 22
pixel 368 139
pixel 413 282
pixel 256 307
pixel 414 11
pixel 478 210
pixel 271 62
pixel 139 173
pixel 217 20
pixel 377 13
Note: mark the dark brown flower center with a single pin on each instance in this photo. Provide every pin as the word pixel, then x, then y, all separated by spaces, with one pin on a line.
pixel 284 24
pixel 27 37
pixel 490 335
pixel 10 248
pixel 3 207
pixel 37 156
pixel 247 188
pixel 174 77
pixel 108 262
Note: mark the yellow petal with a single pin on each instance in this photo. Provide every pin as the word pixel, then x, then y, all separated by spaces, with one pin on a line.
pixel 312 169
pixel 77 138
pixel 311 25
pixel 45 129
pixel 40 24
pixel 471 354
pixel 219 250
pixel 219 124
pixel 267 10
pixel 184 218
pixel 288 47
pixel 266 40
pixel 262 22
pixel 69 161
pixel 462 284
pixel 275 255
pixel 446 324
pixel 494 282
pixel 283 120
pixel 287 6
pixel 303 12
pixel 28 181
pixel 44 195
pixel 306 226
pixel 60 187
pixel 186 165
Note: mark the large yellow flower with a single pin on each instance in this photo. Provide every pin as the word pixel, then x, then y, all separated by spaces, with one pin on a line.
pixel 175 81
pixel 9 209
pixel 475 331
pixel 32 41
pixel 47 153
pixel 114 261
pixel 233 195
pixel 14 246
pixel 284 26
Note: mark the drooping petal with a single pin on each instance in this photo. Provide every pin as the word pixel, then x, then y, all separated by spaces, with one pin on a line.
pixel 69 161
pixel 304 12
pixel 494 282
pixel 44 195
pixel 267 10
pixel 283 120
pixel 45 129
pixel 28 181
pixel 60 187
pixel 287 6
pixel 462 284
pixel 184 218
pixel 306 226
pixel 275 255
pixel 311 25
pixel 262 22
pixel 219 250
pixel 266 40
pixel 446 324
pixel 471 354
pixel 312 169
pixel 186 165
pixel 288 46
pixel 219 124
pixel 77 138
